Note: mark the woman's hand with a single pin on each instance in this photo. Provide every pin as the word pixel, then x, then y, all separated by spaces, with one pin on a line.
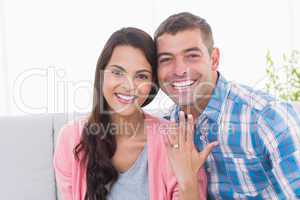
pixel 183 156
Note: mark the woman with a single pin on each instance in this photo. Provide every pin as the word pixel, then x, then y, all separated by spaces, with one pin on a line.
pixel 120 152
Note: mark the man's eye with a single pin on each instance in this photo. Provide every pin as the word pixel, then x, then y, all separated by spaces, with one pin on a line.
pixel 193 56
pixel 163 60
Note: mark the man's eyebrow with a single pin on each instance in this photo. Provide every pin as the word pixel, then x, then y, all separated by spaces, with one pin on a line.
pixel 164 54
pixel 192 49
pixel 184 51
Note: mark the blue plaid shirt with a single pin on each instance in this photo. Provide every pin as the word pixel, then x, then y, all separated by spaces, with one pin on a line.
pixel 258 156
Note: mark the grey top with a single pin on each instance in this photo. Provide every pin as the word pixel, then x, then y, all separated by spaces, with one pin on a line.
pixel 132 184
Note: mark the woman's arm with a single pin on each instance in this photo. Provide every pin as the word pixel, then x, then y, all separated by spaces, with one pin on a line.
pixel 62 163
pixel 185 160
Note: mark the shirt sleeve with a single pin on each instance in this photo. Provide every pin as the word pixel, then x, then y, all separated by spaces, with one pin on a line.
pixel 279 129
pixel 62 162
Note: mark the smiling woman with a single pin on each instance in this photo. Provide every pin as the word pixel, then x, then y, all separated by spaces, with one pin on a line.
pixel 119 93
pixel 128 80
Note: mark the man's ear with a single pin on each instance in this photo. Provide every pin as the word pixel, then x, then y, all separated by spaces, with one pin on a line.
pixel 215 58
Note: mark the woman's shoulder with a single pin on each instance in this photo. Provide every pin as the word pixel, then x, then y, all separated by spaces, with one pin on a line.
pixel 156 125
pixel 70 132
pixel 149 118
pixel 156 129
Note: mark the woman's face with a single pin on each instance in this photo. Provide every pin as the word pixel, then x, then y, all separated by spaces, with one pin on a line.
pixel 127 80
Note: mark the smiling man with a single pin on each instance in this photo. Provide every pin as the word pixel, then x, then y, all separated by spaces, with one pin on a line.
pixel 258 156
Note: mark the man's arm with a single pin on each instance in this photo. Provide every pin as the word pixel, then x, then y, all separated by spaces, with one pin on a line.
pixel 279 128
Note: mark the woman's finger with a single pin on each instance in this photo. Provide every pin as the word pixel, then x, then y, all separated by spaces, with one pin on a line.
pixel 166 140
pixel 168 144
pixel 169 148
pixel 172 133
pixel 190 130
pixel 182 129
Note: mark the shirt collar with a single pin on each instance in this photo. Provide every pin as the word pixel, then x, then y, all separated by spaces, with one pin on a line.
pixel 216 102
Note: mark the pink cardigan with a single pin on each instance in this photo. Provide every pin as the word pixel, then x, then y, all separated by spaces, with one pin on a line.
pixel 71 177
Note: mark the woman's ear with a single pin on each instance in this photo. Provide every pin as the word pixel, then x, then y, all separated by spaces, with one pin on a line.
pixel 215 58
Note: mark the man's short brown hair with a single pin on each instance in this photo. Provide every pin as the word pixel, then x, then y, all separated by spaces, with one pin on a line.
pixel 186 21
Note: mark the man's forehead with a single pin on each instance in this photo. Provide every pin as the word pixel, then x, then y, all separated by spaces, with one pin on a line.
pixel 179 42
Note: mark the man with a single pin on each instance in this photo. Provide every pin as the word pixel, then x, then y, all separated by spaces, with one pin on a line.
pixel 258 156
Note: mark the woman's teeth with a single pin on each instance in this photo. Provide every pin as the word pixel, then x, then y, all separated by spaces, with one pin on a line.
pixel 125 97
pixel 182 84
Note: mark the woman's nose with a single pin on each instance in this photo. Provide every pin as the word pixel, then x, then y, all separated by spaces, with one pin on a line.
pixel 128 84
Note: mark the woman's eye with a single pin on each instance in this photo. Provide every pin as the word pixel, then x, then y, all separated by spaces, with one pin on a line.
pixel 117 72
pixel 142 77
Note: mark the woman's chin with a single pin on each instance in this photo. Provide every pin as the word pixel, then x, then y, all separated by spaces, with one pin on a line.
pixel 126 112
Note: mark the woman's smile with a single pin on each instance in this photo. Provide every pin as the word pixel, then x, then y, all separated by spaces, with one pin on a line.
pixel 126 99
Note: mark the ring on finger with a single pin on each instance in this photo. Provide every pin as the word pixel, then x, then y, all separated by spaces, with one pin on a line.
pixel 175 146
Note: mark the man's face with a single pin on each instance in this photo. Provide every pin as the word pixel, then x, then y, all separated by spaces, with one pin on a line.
pixel 186 71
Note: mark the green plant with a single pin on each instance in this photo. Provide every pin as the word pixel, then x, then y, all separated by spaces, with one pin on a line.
pixel 284 81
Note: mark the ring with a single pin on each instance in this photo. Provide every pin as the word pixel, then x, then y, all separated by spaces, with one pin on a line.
pixel 175 146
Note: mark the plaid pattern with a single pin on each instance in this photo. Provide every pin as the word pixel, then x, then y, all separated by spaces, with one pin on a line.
pixel 259 152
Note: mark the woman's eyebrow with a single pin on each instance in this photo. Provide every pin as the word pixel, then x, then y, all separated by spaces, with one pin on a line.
pixel 123 69
pixel 143 70
pixel 117 66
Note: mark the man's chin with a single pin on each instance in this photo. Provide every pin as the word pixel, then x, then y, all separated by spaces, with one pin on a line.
pixel 185 102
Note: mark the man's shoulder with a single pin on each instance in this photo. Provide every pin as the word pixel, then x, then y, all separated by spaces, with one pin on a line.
pixel 250 98
pixel 259 102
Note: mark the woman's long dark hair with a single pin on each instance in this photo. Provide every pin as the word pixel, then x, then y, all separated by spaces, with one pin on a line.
pixel 96 145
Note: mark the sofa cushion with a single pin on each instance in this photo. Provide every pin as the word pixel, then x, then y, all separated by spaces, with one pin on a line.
pixel 26 150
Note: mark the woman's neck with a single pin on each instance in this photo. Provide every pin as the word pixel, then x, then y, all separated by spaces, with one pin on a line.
pixel 128 126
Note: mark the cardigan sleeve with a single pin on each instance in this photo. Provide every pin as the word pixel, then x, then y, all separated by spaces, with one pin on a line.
pixel 62 161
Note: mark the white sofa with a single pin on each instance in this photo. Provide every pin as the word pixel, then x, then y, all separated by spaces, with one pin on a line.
pixel 26 152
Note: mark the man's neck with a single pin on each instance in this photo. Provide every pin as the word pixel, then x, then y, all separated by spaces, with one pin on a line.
pixel 196 108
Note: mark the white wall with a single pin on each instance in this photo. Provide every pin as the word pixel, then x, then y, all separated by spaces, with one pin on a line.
pixel 4 107
pixel 51 47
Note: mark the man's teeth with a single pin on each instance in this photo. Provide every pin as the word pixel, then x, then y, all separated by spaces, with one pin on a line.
pixel 125 97
pixel 182 84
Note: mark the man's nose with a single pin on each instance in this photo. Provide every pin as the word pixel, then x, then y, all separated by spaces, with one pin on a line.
pixel 180 68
